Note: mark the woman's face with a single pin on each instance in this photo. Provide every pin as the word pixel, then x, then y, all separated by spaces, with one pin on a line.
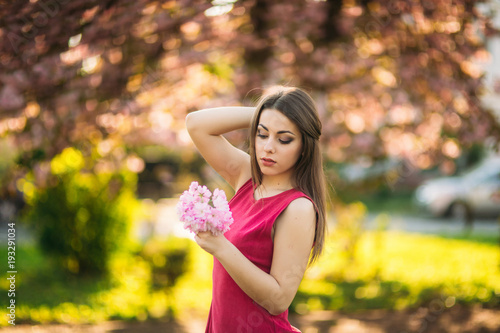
pixel 278 143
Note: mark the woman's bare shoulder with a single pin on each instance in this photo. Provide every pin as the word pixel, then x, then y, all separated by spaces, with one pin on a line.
pixel 301 206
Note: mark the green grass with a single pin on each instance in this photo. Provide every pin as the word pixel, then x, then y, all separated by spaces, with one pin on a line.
pixel 382 200
pixel 45 294
pixel 396 270
pixel 486 238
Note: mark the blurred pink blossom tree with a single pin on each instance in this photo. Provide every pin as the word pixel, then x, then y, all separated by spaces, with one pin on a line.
pixel 391 78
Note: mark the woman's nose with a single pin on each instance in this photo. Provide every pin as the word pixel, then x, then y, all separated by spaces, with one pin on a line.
pixel 269 146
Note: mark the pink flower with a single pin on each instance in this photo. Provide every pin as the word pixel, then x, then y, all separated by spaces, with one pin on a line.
pixel 199 212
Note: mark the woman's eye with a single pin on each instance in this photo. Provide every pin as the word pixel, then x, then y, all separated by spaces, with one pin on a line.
pixel 285 142
pixel 262 136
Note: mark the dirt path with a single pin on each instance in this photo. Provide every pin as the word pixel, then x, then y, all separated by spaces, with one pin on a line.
pixel 458 319
pixel 424 320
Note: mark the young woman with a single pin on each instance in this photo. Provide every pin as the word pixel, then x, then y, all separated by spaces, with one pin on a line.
pixel 278 208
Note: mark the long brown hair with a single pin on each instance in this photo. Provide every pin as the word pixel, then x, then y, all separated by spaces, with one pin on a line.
pixel 308 176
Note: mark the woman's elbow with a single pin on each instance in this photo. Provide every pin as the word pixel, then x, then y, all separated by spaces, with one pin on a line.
pixel 276 308
pixel 190 122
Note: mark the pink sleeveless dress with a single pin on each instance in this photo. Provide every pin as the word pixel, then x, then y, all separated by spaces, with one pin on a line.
pixel 233 311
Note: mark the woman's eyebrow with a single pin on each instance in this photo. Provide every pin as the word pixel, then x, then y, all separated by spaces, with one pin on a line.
pixel 279 132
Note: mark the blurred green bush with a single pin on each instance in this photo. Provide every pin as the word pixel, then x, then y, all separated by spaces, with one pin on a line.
pixel 81 216
pixel 169 260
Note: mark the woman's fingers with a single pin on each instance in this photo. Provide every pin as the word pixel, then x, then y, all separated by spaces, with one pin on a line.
pixel 201 236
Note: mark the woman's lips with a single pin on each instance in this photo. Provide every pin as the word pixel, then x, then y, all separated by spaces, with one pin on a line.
pixel 267 161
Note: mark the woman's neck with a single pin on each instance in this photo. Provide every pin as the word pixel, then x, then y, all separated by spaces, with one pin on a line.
pixel 276 183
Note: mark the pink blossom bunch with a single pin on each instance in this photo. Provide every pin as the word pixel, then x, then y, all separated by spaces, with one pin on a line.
pixel 200 211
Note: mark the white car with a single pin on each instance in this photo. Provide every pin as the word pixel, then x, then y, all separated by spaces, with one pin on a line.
pixel 474 193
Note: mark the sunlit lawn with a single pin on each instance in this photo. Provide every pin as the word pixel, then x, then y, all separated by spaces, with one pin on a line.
pixel 396 270
pixel 389 270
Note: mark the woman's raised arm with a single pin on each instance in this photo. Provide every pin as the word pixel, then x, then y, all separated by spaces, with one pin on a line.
pixel 206 128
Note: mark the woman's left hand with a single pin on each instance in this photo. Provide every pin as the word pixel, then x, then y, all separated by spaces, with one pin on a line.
pixel 210 243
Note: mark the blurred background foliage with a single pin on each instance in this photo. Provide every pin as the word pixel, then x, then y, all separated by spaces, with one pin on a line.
pixel 83 214
pixel 93 97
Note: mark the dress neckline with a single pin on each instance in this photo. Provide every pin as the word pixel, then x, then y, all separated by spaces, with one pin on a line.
pixel 269 197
